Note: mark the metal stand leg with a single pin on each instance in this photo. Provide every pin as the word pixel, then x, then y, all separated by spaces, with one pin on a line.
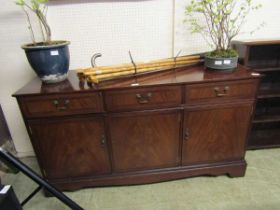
pixel 31 195
pixel 6 156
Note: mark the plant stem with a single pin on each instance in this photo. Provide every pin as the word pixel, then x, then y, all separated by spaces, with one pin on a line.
pixel 42 18
pixel 42 32
pixel 29 26
pixel 43 22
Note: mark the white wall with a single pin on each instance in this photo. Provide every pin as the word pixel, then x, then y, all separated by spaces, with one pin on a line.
pixel 111 27
pixel 15 71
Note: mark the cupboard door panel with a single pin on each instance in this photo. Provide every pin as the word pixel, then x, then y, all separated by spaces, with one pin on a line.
pixel 71 147
pixel 145 140
pixel 215 134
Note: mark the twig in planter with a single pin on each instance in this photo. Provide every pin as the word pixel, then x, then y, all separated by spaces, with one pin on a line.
pixel 29 25
pixel 35 6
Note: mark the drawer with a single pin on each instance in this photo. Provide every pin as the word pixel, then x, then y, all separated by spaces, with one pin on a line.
pixel 57 105
pixel 143 98
pixel 220 91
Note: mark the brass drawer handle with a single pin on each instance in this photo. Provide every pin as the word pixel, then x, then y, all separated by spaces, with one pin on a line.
pixel 222 93
pixel 187 135
pixel 144 99
pixel 103 140
pixel 61 107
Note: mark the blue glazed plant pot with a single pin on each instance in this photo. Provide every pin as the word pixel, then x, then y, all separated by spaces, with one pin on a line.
pixel 50 62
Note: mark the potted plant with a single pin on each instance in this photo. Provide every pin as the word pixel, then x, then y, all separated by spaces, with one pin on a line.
pixel 219 21
pixel 49 59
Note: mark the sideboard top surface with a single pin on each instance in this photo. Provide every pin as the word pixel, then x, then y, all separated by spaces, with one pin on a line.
pixel 186 75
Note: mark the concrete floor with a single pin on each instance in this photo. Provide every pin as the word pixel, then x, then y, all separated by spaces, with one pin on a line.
pixel 258 190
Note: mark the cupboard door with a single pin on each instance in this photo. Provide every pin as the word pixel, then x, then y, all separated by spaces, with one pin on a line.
pixel 215 134
pixel 145 140
pixel 73 147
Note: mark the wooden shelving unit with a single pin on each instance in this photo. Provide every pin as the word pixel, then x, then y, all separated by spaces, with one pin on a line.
pixel 263 56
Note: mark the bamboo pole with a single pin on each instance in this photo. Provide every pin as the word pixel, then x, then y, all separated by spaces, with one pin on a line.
pixel 170 61
pixel 103 77
pixel 102 73
pixel 98 70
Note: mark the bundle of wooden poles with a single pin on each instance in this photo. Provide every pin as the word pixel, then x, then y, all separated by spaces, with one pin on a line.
pixel 103 73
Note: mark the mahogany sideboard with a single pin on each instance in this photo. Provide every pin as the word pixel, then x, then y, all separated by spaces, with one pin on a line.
pixel 157 127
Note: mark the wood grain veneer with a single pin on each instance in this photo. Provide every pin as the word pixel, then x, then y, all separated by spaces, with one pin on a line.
pixel 171 125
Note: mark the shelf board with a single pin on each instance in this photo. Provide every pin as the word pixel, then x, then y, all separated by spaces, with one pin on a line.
pixel 267 138
pixel 269 93
pixel 265 69
pixel 266 119
pixel 262 146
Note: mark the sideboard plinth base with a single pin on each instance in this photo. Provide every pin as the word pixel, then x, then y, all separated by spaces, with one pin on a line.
pixel 233 169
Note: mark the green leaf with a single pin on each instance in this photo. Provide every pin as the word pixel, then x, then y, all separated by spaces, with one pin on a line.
pixel 42 1
pixel 20 2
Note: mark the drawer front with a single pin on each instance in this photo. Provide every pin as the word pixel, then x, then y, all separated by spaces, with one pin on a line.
pixel 143 98
pixel 221 91
pixel 59 105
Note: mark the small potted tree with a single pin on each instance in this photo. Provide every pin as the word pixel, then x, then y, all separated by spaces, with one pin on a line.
pixel 219 21
pixel 49 59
